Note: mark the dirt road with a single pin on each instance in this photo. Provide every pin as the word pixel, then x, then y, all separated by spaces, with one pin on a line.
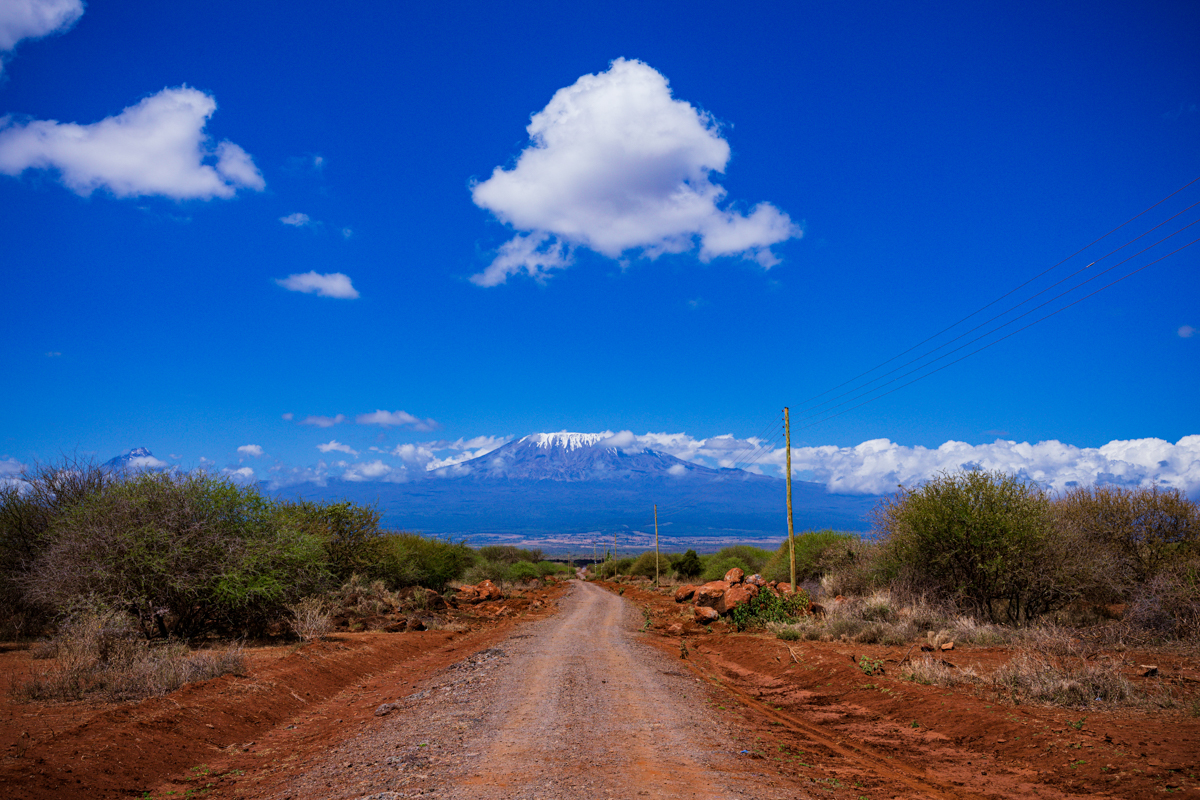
pixel 571 706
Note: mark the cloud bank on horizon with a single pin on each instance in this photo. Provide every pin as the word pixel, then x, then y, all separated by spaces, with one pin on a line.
pixel 616 164
pixel 874 467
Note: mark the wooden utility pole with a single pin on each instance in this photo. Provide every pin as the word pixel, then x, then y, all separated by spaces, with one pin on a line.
pixel 787 428
pixel 656 582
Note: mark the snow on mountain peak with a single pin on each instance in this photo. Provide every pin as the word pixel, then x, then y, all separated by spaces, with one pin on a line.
pixel 566 439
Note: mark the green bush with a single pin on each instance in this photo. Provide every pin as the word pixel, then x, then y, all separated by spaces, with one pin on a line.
pixel 754 558
pixel 689 565
pixel 981 539
pixel 484 570
pixel 546 568
pixel 507 554
pixel 644 565
pixel 522 571
pixel 614 567
pixel 767 607
pixel 408 559
pixel 717 565
pixel 817 552
pixel 1126 537
pixel 348 532
pixel 27 511
pixel 184 553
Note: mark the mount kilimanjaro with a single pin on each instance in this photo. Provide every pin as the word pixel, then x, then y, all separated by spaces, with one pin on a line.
pixel 564 490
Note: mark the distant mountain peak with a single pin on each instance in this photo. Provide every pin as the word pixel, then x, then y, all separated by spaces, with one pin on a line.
pixel 566 439
pixel 137 458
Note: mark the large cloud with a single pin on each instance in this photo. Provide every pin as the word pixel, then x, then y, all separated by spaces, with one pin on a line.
pixel 157 147
pixel 616 165
pixel 33 19
pixel 880 465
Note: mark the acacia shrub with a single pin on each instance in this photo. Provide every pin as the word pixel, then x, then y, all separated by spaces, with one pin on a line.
pixel 644 565
pixel 688 565
pixel 408 559
pixel 183 553
pixel 28 507
pixel 817 553
pixel 980 539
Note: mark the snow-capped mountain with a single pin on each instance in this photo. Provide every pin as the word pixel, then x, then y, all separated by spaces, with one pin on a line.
pixel 567 456
pixel 547 485
pixel 139 458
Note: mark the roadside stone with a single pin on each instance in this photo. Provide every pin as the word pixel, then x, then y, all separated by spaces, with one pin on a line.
pixel 736 596
pixel 757 580
pixel 385 709
pixel 675 629
pixel 684 593
pixel 711 593
pixel 735 575
pixel 947 646
pixel 705 615
pixel 414 624
pixel 489 591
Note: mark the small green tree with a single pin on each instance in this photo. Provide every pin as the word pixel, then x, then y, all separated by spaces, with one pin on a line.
pixel 983 539
pixel 689 566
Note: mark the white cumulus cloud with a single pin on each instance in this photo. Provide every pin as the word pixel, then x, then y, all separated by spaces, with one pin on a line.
pixel 296 220
pixel 374 471
pixel 254 450
pixel 156 147
pixel 333 284
pixel 241 474
pixel 145 462
pixel 616 164
pixel 33 19
pixel 334 444
pixel 388 419
pixel 1186 331
pixel 880 465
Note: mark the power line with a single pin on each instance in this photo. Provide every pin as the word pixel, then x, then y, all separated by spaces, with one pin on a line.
pixel 1006 294
pixel 1008 335
pixel 1018 305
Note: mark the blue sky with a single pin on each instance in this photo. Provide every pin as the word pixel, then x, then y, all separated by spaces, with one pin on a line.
pixel 215 215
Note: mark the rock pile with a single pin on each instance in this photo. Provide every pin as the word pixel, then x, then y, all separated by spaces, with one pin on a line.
pixel 479 593
pixel 717 598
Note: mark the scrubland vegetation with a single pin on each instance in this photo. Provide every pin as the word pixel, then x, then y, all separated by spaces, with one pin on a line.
pixel 123 570
pixel 987 559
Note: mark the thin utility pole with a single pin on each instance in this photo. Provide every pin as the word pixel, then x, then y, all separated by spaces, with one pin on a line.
pixel 656 581
pixel 787 428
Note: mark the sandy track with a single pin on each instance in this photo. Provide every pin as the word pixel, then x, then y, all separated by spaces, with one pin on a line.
pixel 571 706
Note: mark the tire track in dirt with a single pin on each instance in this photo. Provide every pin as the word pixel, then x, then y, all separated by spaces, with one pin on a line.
pixel 864 756
pixel 566 707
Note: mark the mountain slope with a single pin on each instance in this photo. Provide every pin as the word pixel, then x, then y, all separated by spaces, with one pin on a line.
pixel 565 487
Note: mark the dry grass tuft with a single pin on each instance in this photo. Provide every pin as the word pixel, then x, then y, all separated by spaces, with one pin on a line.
pixel 101 651
pixel 310 618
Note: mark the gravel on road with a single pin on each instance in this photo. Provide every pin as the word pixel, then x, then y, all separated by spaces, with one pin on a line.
pixel 567 707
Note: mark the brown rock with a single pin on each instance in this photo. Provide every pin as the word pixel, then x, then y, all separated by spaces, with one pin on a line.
pixel 385 709
pixel 735 596
pixel 926 648
pixel 414 624
pixel 684 593
pixel 816 609
pixel 947 646
pixel 757 580
pixel 735 575
pixel 711 593
pixel 489 591
pixel 675 629
pixel 705 615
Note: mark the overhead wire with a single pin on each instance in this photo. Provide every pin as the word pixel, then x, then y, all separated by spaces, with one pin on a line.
pixel 1010 322
pixel 1012 333
pixel 1018 305
pixel 1006 294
